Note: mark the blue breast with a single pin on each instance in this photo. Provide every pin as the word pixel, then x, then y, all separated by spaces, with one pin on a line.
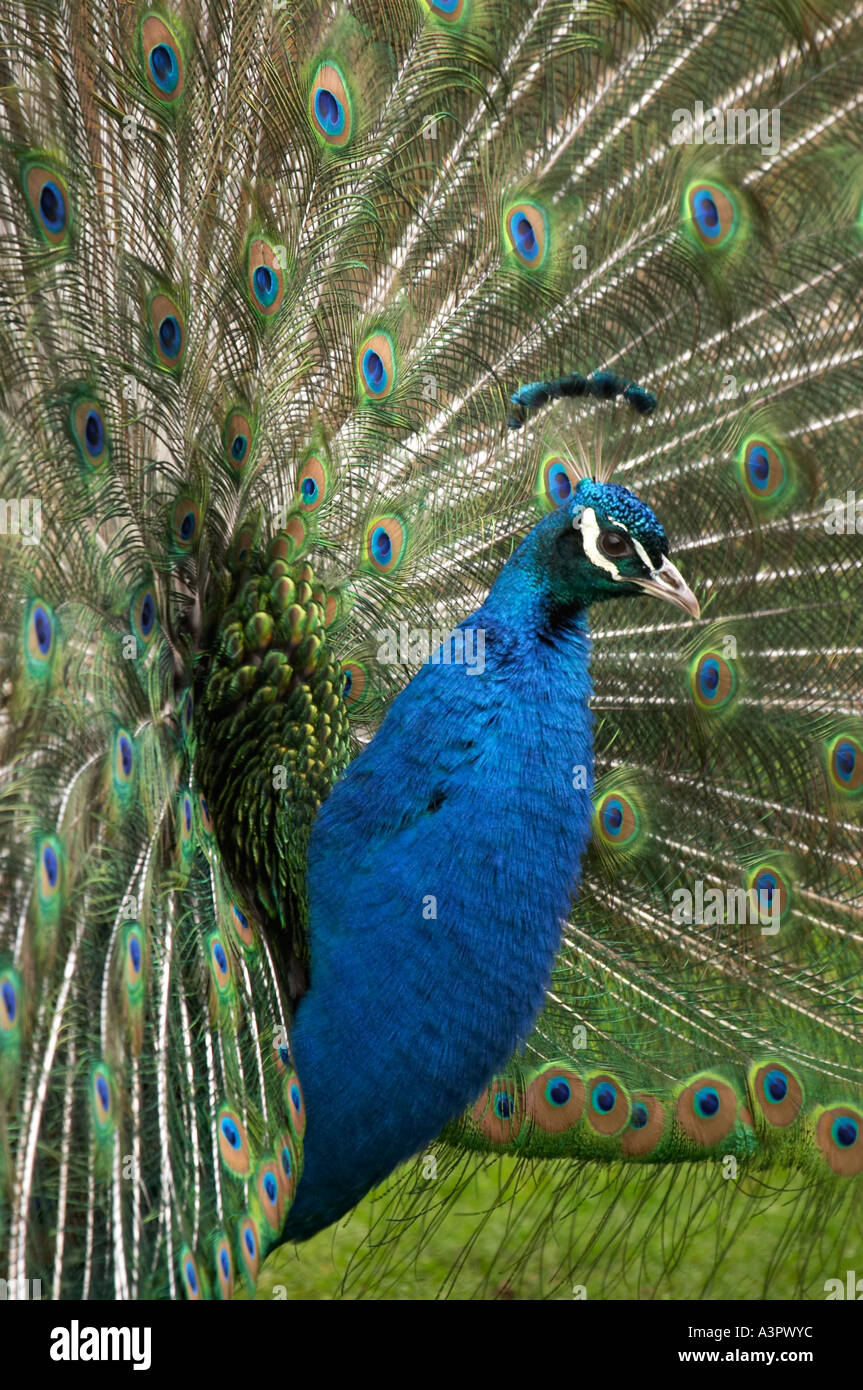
pixel 440 872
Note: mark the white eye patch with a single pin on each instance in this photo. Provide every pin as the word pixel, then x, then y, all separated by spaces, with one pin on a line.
pixel 590 529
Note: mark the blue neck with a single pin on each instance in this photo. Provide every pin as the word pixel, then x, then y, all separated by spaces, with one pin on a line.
pixel 440 872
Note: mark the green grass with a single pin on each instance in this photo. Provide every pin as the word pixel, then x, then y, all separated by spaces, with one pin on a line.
pixel 512 1232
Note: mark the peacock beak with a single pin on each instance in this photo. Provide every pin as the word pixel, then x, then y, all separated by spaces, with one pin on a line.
pixel 668 582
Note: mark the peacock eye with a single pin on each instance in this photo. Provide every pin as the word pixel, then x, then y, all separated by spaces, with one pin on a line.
pixel 614 544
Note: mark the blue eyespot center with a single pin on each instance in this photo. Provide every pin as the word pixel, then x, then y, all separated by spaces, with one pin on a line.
pixel 239 446
pixel 638 1118
pixel 52 206
pixel 349 681
pixel 776 1085
pixel 846 760
pixel 287 1168
pixel 170 336
pixel 51 866
pixel 329 111
pixel 187 526
pixel 42 626
pixel 102 1092
pixel 706 213
pixel 220 957
pixel 296 1100
pixel 612 816
pixel 250 1242
pixel 382 546
pixel 225 1263
pixel 525 236
pixel 266 284
pixel 148 613
pixel 604 1097
pixel 558 1091
pixel 164 67
pixel 231 1133
pixel 845 1131
pixel 270 1187
pixel 309 489
pixel 559 484
pixel 374 370
pixel 765 884
pixel 10 1001
pixel 135 953
pixel 94 434
pixel 503 1106
pixel 710 676
pixel 241 918
pixel 759 466
pixel 707 1102
pixel 187 810
pixel 191 1277
pixel 126 755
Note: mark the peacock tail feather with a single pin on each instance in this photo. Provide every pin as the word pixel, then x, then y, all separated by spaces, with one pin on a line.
pixel 309 313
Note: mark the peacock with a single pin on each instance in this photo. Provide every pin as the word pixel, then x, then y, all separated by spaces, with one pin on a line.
pixel 431 617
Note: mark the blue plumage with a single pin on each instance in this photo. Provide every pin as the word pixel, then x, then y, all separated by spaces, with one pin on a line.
pixel 442 867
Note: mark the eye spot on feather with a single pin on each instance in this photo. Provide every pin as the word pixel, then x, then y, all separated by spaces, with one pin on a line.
pixel 287 1166
pixel 10 1005
pixel 555 1099
pixel 763 470
pixel 330 110
pixel 265 278
pixel 48 200
pixel 102 1100
pixel 376 364
pixel 712 215
pixel 617 822
pixel 40 634
pixel 385 543
pixel 706 1110
pixel 607 1108
pixel 185 520
pixel 143 614
pixel 250 1248
pixel 773 889
pixel 219 964
pixel 124 758
pixel 189 1275
pixel 237 439
pixel 241 549
pixel 168 329
pixel 133 959
pixel 555 482
pixel 50 870
pixel 646 1126
pixel 162 60
pixel 242 928
pixel 845 763
pixel 312 484
pixel 295 1106
pixel 779 1094
pixel 88 432
pixel 838 1135
pixel 497 1112
pixel 354 682
pixel 224 1261
pixel 233 1142
pixel 526 228
pixel 712 680
pixel 270 1195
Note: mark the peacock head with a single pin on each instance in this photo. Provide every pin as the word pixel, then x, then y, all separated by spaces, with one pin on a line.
pixel 603 543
